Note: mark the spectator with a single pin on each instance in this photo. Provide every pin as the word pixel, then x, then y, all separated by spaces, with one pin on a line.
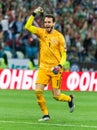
pixel 76 16
pixel 67 66
pixel 4 62
pixel 31 65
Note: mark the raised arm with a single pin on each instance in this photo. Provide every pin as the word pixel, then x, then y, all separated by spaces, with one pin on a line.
pixel 28 25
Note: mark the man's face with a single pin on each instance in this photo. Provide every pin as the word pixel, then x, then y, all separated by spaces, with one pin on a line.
pixel 49 24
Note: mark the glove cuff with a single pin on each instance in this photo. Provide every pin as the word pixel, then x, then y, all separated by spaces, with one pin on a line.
pixel 34 14
pixel 60 65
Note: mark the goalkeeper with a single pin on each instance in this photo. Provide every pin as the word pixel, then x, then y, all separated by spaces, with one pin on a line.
pixel 51 60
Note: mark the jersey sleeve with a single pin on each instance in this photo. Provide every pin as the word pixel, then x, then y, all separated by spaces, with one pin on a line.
pixel 63 50
pixel 29 26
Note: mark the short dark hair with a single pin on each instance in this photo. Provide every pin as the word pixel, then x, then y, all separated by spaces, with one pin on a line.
pixel 50 16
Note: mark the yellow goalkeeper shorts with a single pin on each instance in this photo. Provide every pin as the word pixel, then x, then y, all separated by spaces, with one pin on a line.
pixel 46 76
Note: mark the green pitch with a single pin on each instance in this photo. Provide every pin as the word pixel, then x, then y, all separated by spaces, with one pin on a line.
pixel 19 111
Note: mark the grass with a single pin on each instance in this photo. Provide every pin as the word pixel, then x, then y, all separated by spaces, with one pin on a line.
pixel 19 111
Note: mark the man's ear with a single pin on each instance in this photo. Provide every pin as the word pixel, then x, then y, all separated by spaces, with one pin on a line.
pixel 54 24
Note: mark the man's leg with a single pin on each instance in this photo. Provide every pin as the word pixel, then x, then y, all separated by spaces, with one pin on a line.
pixel 42 103
pixel 60 96
pixel 64 98
pixel 56 84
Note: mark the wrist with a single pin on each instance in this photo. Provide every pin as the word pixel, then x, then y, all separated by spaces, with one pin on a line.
pixel 38 11
pixel 60 65
pixel 34 14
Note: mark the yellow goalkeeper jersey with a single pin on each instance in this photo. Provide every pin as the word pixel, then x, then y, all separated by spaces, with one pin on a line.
pixel 52 45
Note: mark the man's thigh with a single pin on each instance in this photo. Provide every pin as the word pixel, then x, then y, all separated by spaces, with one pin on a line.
pixel 43 77
pixel 56 81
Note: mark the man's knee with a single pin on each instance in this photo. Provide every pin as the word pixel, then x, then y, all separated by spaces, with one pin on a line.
pixel 38 92
pixel 56 97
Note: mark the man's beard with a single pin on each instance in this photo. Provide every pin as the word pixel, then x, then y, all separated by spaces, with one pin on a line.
pixel 49 30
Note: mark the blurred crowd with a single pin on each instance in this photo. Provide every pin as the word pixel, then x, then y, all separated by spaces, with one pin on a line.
pixel 75 19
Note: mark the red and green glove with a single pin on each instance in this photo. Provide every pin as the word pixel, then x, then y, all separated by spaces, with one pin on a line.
pixel 56 69
pixel 38 11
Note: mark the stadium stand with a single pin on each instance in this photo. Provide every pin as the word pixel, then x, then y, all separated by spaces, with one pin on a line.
pixel 76 19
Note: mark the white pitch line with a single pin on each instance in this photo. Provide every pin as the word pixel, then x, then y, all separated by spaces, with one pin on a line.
pixel 49 124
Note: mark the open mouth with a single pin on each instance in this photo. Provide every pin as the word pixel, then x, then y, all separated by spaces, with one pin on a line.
pixel 47 27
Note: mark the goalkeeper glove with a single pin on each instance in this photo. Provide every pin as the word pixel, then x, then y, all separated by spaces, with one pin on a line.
pixel 38 11
pixel 56 69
